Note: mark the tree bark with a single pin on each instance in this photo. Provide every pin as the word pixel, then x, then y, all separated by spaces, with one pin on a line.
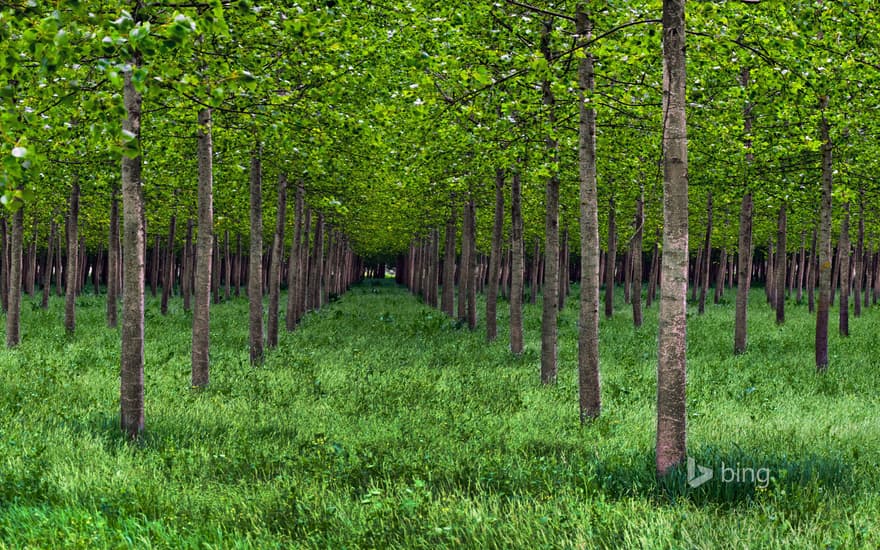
pixel 255 272
pixel 636 259
pixel 294 268
pixel 672 366
pixel 610 261
pixel 14 265
pixel 517 265
pixel 447 299
pixel 464 267
pixel 186 282
pixel 843 253
pixel 170 265
pixel 589 382
pixel 472 269
pixel 495 259
pixel 275 266
pixel 132 371
pixel 201 326
pixel 859 258
pixel 47 271
pixel 781 258
pixel 824 271
pixel 707 258
pixel 72 257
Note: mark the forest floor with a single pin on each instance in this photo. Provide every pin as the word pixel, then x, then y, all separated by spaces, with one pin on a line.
pixel 381 423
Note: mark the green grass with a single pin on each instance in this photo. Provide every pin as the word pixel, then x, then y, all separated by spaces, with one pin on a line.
pixel 380 423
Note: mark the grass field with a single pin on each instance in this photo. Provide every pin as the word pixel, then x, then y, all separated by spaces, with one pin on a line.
pixel 380 423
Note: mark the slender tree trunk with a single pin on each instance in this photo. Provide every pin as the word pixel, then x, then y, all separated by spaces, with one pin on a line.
pixel 636 258
pixel 859 257
pixel 201 326
pixel 59 287
pixel 835 272
pixel 32 257
pixel 517 265
pixel 610 261
pixel 318 263
pixel 227 272
pixel 720 276
pixel 495 259
pixel 745 274
pixel 672 365
pixel 464 267
pixel 306 264
pixel 186 282
pixel 535 272
pixel 170 264
pixel 47 271
pixel 843 246
pixel 781 257
pixel 472 270
pixel 154 266
pixel 653 275
pixel 707 258
pixel 132 372
pixel 72 257
pixel 255 272
pixel 811 275
pixel 277 259
pixel 215 271
pixel 802 268
pixel 823 307
pixel 447 299
pixel 14 265
pixel 589 384
pixel 294 269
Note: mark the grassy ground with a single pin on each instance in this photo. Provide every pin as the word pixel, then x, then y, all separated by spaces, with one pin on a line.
pixel 380 423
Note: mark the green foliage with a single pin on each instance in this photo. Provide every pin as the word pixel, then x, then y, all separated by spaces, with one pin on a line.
pixel 381 423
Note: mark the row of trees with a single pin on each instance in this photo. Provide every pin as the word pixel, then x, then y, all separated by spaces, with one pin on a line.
pixel 396 121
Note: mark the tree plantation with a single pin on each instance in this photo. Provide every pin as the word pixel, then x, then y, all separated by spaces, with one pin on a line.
pixel 414 274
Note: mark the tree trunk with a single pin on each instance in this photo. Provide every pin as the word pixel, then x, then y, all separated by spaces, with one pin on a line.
pixel 277 260
pixel 201 326
pixel 464 266
pixel 32 261
pixel 495 259
pixel 447 299
pixel 517 265
pixel 589 384
pixel 707 258
pixel 859 257
pixel 823 307
pixel 47 271
pixel 72 257
pixel 132 371
pixel 255 273
pixel 636 259
pixel 610 261
pixel 14 265
pixel 154 266
pixel 186 280
pixel 843 246
pixel 745 274
pixel 306 265
pixel 294 268
pixel 672 365
pixel 170 264
pixel 317 264
pixel 535 271
pixel 781 258
pixel 227 271
pixel 472 269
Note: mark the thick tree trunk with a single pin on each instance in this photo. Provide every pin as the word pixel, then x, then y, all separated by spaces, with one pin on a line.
pixel 672 366
pixel 495 259
pixel 47 265
pixel 823 306
pixel 201 326
pixel 843 246
pixel 132 371
pixel 610 261
pixel 589 384
pixel 447 299
pixel 255 273
pixel 275 266
pixel 517 265
pixel 72 258
pixel 781 258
